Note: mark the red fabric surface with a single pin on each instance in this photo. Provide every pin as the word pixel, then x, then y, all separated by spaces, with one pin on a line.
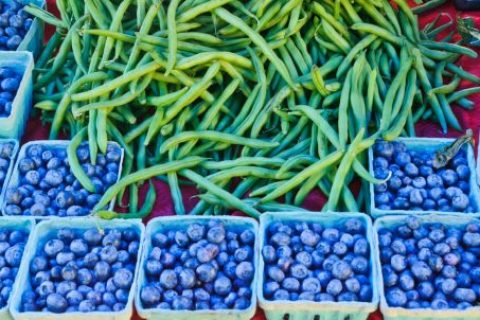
pixel 468 119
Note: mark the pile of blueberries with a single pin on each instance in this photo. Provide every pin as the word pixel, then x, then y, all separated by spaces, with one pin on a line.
pixel 203 267
pixel 416 185
pixel 9 83
pixel 83 271
pixel 6 155
pixel 14 24
pixel 47 186
pixel 430 265
pixel 310 262
pixel 12 244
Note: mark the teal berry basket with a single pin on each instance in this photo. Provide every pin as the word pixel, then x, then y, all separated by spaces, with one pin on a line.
pixel 14 180
pixel 27 226
pixel 16 146
pixel 391 313
pixel 32 42
pixel 43 232
pixel 164 224
pixel 306 310
pixel 430 145
pixel 13 126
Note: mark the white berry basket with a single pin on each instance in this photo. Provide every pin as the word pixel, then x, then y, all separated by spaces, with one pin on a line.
pixel 27 226
pixel 430 145
pixel 44 231
pixel 13 126
pixel 14 180
pixel 306 310
pixel 164 224
pixel 391 313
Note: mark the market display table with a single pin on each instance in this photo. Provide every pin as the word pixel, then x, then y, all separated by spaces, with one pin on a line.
pixel 164 206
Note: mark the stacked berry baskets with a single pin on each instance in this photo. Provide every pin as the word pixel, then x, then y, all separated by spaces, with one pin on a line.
pixel 415 184
pixel 430 267
pixel 81 270
pixel 317 265
pixel 199 268
pixel 43 185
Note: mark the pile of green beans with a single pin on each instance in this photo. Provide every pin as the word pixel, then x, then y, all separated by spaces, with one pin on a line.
pixel 255 102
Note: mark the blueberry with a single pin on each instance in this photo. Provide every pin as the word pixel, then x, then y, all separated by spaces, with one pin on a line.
pixel 56 303
pixel 465 295
pixel 334 287
pixel 291 284
pixel 463 171
pixel 245 271
pixel 205 272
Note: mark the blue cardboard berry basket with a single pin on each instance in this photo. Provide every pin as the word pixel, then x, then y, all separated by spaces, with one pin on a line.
pixel 32 42
pixel 13 126
pixel 27 226
pixel 10 166
pixel 43 232
pixel 391 313
pixel 180 223
pixel 430 145
pixel 306 310
pixel 55 144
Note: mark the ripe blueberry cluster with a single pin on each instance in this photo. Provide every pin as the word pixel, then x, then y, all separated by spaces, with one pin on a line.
pixel 310 262
pixel 415 184
pixel 12 244
pixel 83 271
pixel 14 24
pixel 6 154
pixel 205 267
pixel 430 265
pixel 48 188
pixel 9 83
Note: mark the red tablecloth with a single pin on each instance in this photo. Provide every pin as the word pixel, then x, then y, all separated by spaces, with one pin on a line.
pixel 468 119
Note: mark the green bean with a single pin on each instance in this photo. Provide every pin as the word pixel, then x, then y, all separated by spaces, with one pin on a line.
pixel 466 103
pixel 75 166
pixel 380 32
pixel 258 40
pixel 115 83
pixel 447 110
pixel 219 192
pixel 172 35
pixel 355 148
pixel 320 10
pixel 400 121
pixel 217 137
pixel 173 166
pixel 138 130
pixel 428 6
pixel 321 123
pixel 463 94
pixel 43 15
pixel 463 74
pixel 294 162
pixel 322 164
pixel 114 26
pixel 133 202
pixel 447 88
pixel 146 209
pixel 204 58
pixel 47 51
pixel 450 47
pixel 376 15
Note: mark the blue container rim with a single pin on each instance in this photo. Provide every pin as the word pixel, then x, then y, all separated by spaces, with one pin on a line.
pixel 474 188
pixel 317 217
pixel 167 220
pixel 446 219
